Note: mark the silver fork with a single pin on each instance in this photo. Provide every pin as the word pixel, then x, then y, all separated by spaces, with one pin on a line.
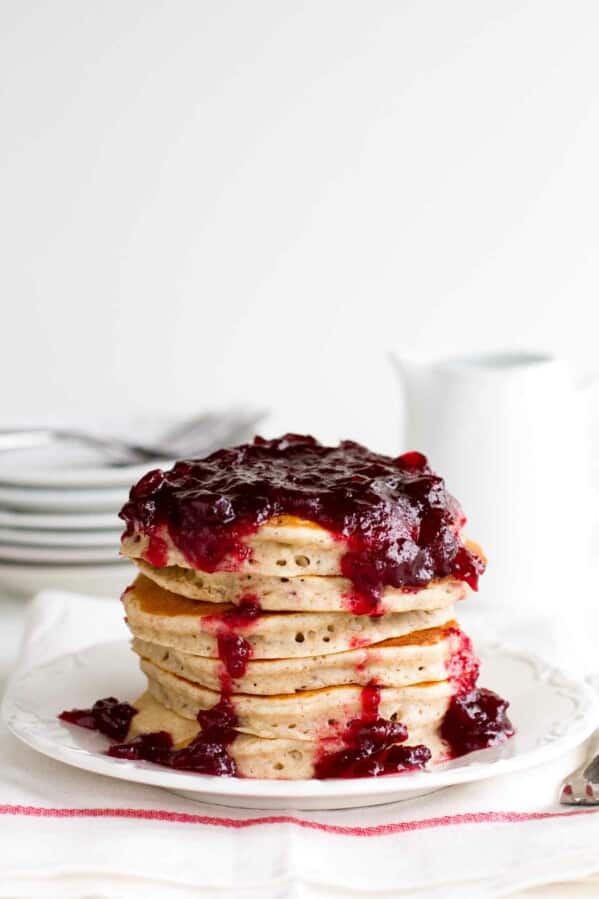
pixel 582 786
pixel 201 434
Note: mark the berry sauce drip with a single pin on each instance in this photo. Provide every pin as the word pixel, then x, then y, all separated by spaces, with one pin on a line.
pixel 399 524
pixel 370 700
pixel 208 752
pixel 371 745
pixel 476 720
pixel 463 664
pixel 234 650
pixel 109 716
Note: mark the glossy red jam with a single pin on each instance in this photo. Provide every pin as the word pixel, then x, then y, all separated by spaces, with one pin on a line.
pixel 476 720
pixel 205 754
pixel 463 664
pixel 370 745
pixel 234 652
pixel 399 523
pixel 370 700
pixel 109 716
pixel 233 649
pixel 155 747
pixel 372 750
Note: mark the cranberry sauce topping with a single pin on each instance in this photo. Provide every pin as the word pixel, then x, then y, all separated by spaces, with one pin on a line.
pixel 476 720
pixel 372 750
pixel 371 745
pixel 206 754
pixel 463 664
pixel 156 747
pixel 234 650
pixel 109 716
pixel 400 525
pixel 370 700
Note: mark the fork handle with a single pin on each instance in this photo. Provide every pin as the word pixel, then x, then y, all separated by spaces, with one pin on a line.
pixel 120 451
pixel 592 750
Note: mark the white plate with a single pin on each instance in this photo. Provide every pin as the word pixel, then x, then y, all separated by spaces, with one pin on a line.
pixel 22 537
pixel 551 713
pixel 68 521
pixel 59 555
pixel 25 579
pixel 64 465
pixel 35 499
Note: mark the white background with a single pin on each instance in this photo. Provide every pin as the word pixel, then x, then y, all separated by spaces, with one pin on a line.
pixel 212 201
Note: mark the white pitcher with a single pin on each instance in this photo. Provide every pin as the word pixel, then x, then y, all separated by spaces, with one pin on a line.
pixel 508 434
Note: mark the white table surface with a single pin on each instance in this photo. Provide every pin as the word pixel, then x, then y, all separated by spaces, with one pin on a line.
pixel 12 616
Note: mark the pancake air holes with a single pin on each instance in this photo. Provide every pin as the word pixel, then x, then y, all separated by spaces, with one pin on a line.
pixel 332 722
pixel 421 668
pixel 326 639
pixel 302 561
pixel 393 717
pixel 166 656
pixel 199 581
pixel 296 755
pixel 279 766
pixel 299 637
pixel 331 628
pixel 284 580
pixel 291 726
pixel 281 562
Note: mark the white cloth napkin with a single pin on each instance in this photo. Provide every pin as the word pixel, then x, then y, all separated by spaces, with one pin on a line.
pixel 68 833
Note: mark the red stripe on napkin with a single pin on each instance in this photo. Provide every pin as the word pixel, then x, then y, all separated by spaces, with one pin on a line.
pixel 376 830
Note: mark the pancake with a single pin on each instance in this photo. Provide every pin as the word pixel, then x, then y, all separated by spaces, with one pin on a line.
pixel 310 715
pixel 158 616
pixel 398 662
pixel 285 542
pixel 283 546
pixel 303 593
pixel 275 759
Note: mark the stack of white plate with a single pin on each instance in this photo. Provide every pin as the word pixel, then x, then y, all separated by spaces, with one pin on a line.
pixel 59 525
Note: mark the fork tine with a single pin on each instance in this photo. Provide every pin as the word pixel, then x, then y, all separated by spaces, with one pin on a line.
pixel 581 787
pixel 230 432
pixel 183 429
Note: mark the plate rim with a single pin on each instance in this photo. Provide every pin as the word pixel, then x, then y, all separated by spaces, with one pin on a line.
pixel 41 539
pixel 58 521
pixel 57 500
pixel 88 477
pixel 313 789
pixel 59 555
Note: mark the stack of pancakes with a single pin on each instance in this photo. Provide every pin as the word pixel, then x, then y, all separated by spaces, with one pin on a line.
pixel 281 640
